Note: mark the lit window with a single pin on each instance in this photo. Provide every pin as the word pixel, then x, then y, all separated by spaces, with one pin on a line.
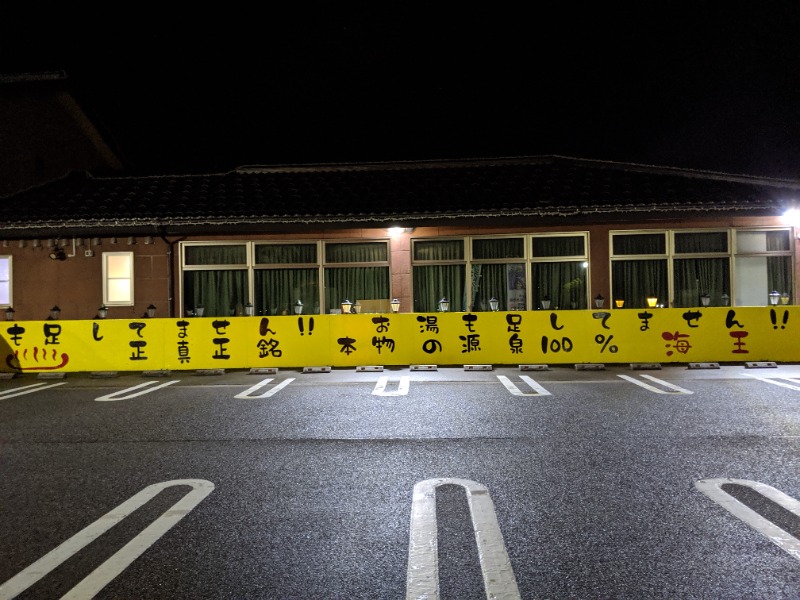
pixel 5 280
pixel 118 278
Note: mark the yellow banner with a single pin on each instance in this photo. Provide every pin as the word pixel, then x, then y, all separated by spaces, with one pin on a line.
pixel 657 335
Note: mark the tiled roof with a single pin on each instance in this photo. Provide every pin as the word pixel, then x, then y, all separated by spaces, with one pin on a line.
pixel 412 193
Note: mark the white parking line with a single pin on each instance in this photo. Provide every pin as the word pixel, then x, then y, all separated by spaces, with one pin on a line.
pixel 422 577
pixel 246 394
pixel 787 542
pixel 102 575
pixel 113 397
pixel 511 387
pixel 28 389
pixel 776 382
pixel 675 389
pixel 402 386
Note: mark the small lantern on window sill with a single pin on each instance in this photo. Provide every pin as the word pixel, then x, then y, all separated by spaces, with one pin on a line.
pixel 545 302
pixel 357 307
pixel 199 310
pixel 55 313
pixel 395 304
pixel 248 309
pixel 726 300
pixel 298 307
pixel 652 301
pixel 599 301
pixel 619 303
pixel 705 300
pixel 151 311
pixel 346 307
pixel 494 304
pixel 444 304
pixel 9 314
pixel 774 296
pixel 784 298
pixel 102 312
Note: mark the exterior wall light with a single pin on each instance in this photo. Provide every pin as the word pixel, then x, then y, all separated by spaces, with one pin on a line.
pixel 151 311
pixel 298 307
pixel 444 305
pixel 652 301
pixel 785 298
pixel 599 301
pixel 9 314
pixel 36 243
pixel 58 254
pixel 55 313
pixel 705 300
pixel 248 309
pixel 102 312
pixel 494 304
pixel 22 243
pixel 148 239
pixel 545 302
pixel 619 303
pixel 395 304
pixel 346 307
pixel 131 241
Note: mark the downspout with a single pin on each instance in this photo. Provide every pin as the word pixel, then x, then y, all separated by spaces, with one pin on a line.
pixel 171 262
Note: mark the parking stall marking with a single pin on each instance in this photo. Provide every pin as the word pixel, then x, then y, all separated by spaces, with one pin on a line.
pixel 114 396
pixel 671 388
pixel 422 577
pixel 102 575
pixel 402 387
pixel 787 542
pixel 511 387
pixel 247 394
pixel 28 389
pixel 774 381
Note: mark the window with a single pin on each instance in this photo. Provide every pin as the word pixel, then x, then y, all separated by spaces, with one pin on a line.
pixel 225 277
pixel 559 270
pixel 439 272
pixel 495 273
pixel 118 278
pixel 681 267
pixel 5 281
pixel 762 264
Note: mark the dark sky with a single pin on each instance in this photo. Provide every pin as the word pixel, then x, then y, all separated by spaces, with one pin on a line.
pixel 704 85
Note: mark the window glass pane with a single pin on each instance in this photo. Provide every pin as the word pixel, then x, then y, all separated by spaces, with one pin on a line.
pixel 119 290
pixel 5 293
pixel 564 283
pixel 640 243
pixel 118 265
pixel 498 248
pixel 506 282
pixel 751 242
pixel 694 277
pixel 356 252
pixel 634 280
pixel 434 282
pixel 439 250
pixel 283 254
pixel 277 291
pixel 215 255
pixel 572 245
pixel 5 269
pixel 355 283
pixel 778 241
pixel 223 293
pixel 713 241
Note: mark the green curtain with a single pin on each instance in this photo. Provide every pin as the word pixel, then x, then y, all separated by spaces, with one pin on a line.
pixel 552 246
pixel 215 255
pixel 285 254
pixel 277 291
pixel 432 282
pixel 779 274
pixel 696 276
pixel 356 252
pixel 223 293
pixel 493 280
pixel 496 248
pixel 355 283
pixel 563 282
pixel 634 280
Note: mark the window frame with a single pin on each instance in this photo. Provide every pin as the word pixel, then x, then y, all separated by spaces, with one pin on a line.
pixel 107 279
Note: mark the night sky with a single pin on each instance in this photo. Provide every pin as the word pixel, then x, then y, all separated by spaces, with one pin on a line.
pixel 701 85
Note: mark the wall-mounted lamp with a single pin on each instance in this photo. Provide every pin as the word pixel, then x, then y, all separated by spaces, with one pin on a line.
pixel 79 242
pixel 785 298
pixel 58 254
pixel 705 300
pixel 393 231
pixel 199 310
pixel 444 305
pixel 55 313
pixel 131 240
pixel 5 243
pixel 113 240
pixel 545 302
pixel 774 296
pixel 652 301
pixel 298 307
pixel 599 301
pixel 22 243
pixel 9 314
pixel 357 307
pixel 395 304
pixel 151 311
pixel 50 243
pixel 494 304
pixel 148 239
pixel 36 244
pixel 619 303
pixel 102 312
pixel 346 307
pixel 95 241
pixel 248 309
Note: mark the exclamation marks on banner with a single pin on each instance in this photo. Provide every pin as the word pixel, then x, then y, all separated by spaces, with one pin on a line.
pixel 302 328
pixel 774 318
